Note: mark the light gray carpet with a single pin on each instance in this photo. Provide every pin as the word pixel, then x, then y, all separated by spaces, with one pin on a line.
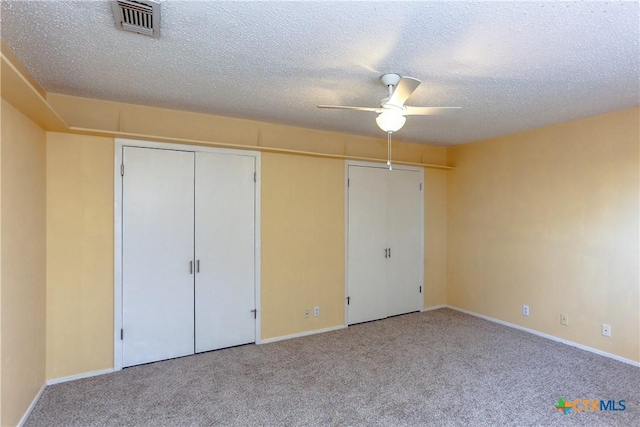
pixel 435 368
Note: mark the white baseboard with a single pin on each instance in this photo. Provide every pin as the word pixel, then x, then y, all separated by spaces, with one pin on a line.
pixel 302 334
pixel 434 307
pixel 550 337
pixel 79 376
pixel 30 408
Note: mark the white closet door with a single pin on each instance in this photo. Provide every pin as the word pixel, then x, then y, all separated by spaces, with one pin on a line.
pixel 404 237
pixel 367 274
pixel 225 233
pixel 157 248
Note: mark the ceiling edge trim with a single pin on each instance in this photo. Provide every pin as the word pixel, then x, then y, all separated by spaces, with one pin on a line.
pixel 21 91
pixel 11 57
pixel 168 139
pixel 18 91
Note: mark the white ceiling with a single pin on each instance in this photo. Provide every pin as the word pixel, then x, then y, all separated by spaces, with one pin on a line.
pixel 512 66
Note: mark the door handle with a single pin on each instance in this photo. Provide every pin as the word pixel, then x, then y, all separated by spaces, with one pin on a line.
pixel 386 253
pixel 198 266
pixel 389 252
pixel 190 267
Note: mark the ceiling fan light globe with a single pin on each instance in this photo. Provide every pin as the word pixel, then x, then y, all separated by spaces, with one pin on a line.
pixel 390 121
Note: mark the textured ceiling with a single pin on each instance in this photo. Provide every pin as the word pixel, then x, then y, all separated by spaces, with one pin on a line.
pixel 512 66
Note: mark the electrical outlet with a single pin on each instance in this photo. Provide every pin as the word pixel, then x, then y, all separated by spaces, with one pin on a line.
pixel 606 330
pixel 306 313
pixel 316 311
pixel 525 310
pixel 564 319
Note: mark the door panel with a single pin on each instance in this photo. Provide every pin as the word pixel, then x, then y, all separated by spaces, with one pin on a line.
pixel 367 275
pixel 225 233
pixel 157 246
pixel 403 233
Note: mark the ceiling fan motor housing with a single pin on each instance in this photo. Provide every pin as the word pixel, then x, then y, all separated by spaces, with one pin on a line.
pixel 390 79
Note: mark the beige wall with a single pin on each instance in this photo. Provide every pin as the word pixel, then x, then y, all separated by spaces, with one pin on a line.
pixel 22 195
pixel 79 254
pixel 549 218
pixel 302 243
pixel 302 248
pixel 435 237
pixel 302 223
pixel 2 103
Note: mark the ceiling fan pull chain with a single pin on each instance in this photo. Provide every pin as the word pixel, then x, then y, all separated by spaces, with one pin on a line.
pixel 389 150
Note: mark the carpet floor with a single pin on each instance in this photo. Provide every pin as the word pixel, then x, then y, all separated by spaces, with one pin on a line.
pixel 435 368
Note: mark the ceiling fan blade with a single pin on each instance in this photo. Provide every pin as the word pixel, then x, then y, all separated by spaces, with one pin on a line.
pixel 345 107
pixel 427 111
pixel 403 91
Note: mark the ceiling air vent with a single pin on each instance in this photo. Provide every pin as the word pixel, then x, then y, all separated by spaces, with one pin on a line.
pixel 142 16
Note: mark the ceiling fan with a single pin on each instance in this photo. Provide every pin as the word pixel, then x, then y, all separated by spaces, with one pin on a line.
pixel 392 111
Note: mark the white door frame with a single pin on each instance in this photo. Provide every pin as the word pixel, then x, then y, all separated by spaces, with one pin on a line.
pixel 117 196
pixel 377 165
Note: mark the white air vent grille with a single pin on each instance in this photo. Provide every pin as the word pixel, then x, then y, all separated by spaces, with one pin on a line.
pixel 142 17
